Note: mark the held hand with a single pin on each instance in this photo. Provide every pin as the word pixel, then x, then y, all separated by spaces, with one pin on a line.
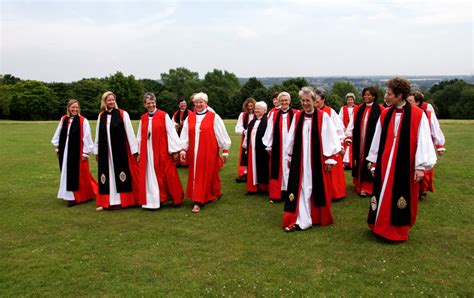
pixel 137 157
pixel 225 158
pixel 419 174
pixel 84 158
pixel 373 172
pixel 182 157
pixel 175 157
pixel 441 152
pixel 328 167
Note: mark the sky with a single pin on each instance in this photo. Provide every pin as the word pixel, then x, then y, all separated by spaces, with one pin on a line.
pixel 66 41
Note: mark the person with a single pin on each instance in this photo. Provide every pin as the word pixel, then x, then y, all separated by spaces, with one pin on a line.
pixel 202 135
pixel 338 178
pixel 180 115
pixel 116 150
pixel 241 128
pixel 346 114
pixel 73 144
pixel 400 152
pixel 159 146
pixel 258 157
pixel 427 184
pixel 276 105
pixel 312 145
pixel 361 132
pixel 275 138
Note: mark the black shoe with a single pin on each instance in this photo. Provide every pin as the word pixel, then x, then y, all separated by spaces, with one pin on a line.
pixel 241 179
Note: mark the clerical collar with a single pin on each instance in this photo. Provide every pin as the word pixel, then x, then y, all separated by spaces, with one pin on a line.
pixel 110 111
pixel 182 110
pixel 284 111
pixel 151 114
pixel 369 104
pixel 400 107
pixel 310 114
pixel 201 113
pixel 278 107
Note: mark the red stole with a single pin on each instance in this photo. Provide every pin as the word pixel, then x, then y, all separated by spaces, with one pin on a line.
pixel 165 168
pixel 207 186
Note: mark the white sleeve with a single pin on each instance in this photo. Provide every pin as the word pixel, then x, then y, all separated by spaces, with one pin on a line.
pixel 431 108
pixel 132 141
pixel 374 147
pixel 244 143
pixel 87 143
pixel 436 132
pixel 350 127
pixel 174 144
pixel 339 126
pixel 57 133
pixel 341 114
pixel 223 139
pixel 330 141
pixel 184 137
pixel 96 141
pixel 288 147
pixel 268 136
pixel 139 135
pixel 425 156
pixel 239 127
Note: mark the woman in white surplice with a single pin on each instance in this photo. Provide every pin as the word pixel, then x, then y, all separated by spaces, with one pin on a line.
pixel 311 146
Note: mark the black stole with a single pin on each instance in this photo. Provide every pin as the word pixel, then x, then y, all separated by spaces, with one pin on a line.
pixel 374 115
pixel 244 155
pixel 402 174
pixel 260 150
pixel 177 118
pixel 73 151
pixel 119 143
pixel 275 158
pixel 294 180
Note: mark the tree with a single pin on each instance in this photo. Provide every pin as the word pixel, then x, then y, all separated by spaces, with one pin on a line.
pixel 33 100
pixel 249 88
pixel 129 93
pixel 89 92
pixel 181 81
pixel 9 79
pixel 222 87
pixel 447 99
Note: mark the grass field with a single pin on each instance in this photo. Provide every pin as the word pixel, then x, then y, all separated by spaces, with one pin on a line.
pixel 234 247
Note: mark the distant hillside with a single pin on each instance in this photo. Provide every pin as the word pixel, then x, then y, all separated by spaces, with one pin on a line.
pixel 423 82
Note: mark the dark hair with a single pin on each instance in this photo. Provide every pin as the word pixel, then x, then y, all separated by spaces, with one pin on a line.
pixel 321 93
pixel 181 99
pixel 275 95
pixel 372 92
pixel 419 97
pixel 399 86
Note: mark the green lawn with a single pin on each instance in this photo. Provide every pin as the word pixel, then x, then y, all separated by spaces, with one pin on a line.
pixel 234 247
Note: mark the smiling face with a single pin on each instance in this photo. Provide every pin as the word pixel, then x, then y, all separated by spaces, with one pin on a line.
pixel 74 109
pixel 411 99
pixel 259 111
pixel 307 103
pixel 284 102
pixel 150 105
pixel 110 102
pixel 393 99
pixel 250 107
pixel 319 102
pixel 350 101
pixel 200 105
pixel 276 103
pixel 183 105
pixel 368 97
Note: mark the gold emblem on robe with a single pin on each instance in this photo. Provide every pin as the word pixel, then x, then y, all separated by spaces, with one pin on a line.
pixel 102 179
pixel 401 203
pixel 291 197
pixel 122 176
pixel 373 203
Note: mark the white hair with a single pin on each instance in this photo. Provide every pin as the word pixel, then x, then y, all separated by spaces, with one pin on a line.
pixel 281 94
pixel 307 90
pixel 200 95
pixel 262 104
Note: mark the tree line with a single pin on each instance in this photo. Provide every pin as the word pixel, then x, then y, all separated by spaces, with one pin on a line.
pixel 36 100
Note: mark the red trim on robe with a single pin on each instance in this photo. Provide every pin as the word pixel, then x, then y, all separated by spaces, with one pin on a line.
pixel 126 198
pixel 165 169
pixel 383 225
pixel 88 188
pixel 241 169
pixel 320 215
pixel 207 184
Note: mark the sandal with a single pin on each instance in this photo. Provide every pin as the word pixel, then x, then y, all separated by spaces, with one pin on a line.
pixel 290 228
pixel 196 209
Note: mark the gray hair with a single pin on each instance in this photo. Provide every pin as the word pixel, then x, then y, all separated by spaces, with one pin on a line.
pixel 281 94
pixel 307 90
pixel 262 104
pixel 149 95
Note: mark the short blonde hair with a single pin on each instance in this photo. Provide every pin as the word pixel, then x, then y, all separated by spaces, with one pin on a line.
pixel 246 102
pixel 69 104
pixel 103 104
